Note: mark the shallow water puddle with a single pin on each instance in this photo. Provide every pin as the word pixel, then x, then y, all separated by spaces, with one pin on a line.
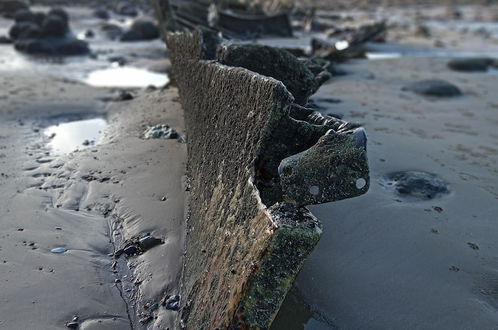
pixel 126 77
pixel 382 56
pixel 75 135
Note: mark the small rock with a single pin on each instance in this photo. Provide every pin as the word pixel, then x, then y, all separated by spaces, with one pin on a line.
pixel 160 131
pixel 148 242
pixel 416 184
pixel 172 303
pixel 141 30
pixel 120 60
pixel 118 253
pixel 470 64
pixel 124 95
pixel 473 246
pixel 58 250
pixel 89 34
pixel 145 319
pixel 439 88
pixel 54 26
pixel 112 31
pixel 4 40
pixel 72 325
pixel 438 209
pixel 454 269
pixel 8 8
pixel 130 250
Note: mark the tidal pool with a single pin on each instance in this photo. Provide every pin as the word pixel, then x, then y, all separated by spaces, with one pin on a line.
pixel 74 135
pixel 126 77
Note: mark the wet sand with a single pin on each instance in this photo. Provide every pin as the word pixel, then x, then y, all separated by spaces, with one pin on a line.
pixel 87 202
pixel 390 262
pixel 384 261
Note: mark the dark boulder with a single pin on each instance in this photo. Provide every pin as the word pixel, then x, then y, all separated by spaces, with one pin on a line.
pixel 55 26
pixel 24 15
pixel 39 17
pixel 439 88
pixel 141 30
pixel 4 40
pixel 8 8
pixel 471 64
pixel 131 35
pixel 273 62
pixel 53 46
pixel 61 13
pixel 24 30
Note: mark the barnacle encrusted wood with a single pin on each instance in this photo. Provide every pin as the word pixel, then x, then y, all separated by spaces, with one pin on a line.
pixel 245 243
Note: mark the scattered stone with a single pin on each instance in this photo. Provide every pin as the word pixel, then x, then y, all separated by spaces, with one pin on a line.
pixel 118 253
pixel 124 95
pixel 4 40
pixel 473 246
pixel 40 34
pixel 72 325
pixel 471 64
pixel 130 250
pixel 8 8
pixel 53 47
pixel 89 34
pixel 148 242
pixel 145 319
pixel 454 269
pixel 120 60
pixel 172 303
pixel 418 184
pixel 141 30
pixel 438 88
pixel 160 131
pixel 438 209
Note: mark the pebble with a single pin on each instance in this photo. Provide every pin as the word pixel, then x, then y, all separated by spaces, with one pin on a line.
pixel 433 87
pixel 72 325
pixel 130 250
pixel 418 184
pixel 58 250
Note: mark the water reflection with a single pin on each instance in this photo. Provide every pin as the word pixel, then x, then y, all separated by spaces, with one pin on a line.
pixel 126 77
pixel 70 136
